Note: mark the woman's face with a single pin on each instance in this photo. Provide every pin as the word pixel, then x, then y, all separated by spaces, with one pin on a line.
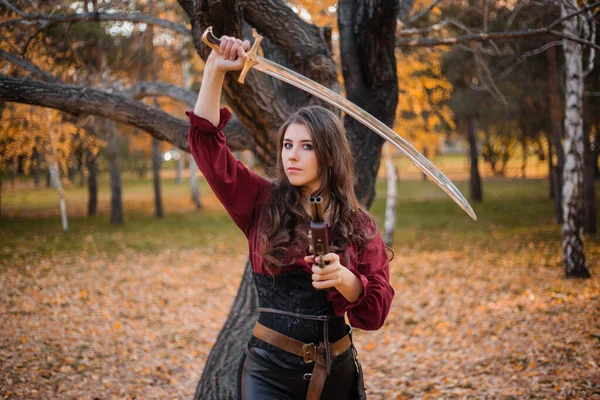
pixel 299 158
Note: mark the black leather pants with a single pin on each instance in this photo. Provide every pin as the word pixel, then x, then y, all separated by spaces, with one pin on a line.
pixel 261 376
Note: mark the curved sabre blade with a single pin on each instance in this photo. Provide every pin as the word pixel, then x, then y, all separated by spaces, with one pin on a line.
pixel 312 87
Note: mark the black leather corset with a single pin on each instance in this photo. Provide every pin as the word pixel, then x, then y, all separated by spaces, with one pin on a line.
pixel 293 292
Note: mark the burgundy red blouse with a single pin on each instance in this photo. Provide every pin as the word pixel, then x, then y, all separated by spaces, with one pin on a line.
pixel 240 190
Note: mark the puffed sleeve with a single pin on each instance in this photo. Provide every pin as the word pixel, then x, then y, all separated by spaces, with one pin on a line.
pixel 236 187
pixel 370 310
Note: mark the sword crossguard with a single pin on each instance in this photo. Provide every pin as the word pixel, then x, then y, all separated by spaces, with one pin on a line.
pixel 214 43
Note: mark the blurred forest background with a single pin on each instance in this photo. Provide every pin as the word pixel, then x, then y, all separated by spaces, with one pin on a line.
pixel 123 277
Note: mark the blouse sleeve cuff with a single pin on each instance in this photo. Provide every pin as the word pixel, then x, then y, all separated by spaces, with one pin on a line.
pixel 205 125
pixel 340 303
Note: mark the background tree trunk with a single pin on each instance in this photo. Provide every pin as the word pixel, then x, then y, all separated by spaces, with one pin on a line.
pixel 37 167
pixel 589 198
pixel 391 173
pixel 475 190
pixel 92 167
pixel 556 131
pixel 572 229
pixel 550 169
pixel 596 153
pixel 179 171
pixel 371 81
pixel 194 187
pixel 219 377
pixel 116 199
pixel 156 160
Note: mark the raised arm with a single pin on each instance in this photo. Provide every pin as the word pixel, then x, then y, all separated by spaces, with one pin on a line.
pixel 231 57
pixel 236 187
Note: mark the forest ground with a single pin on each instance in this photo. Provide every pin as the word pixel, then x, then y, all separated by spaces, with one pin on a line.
pixel 482 309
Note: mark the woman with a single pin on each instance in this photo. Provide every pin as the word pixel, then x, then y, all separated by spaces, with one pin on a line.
pixel 301 347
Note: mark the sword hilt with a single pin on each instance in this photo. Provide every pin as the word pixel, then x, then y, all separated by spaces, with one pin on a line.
pixel 214 43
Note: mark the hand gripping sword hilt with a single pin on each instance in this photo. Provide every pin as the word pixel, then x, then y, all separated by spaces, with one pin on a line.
pixel 214 43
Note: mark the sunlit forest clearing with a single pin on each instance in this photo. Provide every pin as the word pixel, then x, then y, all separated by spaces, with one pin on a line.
pixel 482 309
pixel 123 277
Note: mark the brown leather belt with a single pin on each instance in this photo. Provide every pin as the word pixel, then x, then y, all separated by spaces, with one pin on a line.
pixel 310 352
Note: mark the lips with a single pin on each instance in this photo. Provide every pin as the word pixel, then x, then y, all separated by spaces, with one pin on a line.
pixel 293 169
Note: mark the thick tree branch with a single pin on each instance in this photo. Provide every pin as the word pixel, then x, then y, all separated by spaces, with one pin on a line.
pixel 50 20
pixel 238 137
pixel 81 100
pixel 146 89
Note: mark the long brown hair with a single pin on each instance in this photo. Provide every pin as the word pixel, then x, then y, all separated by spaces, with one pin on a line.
pixel 283 226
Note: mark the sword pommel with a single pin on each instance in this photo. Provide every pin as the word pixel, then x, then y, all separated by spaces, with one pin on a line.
pixel 209 39
pixel 214 43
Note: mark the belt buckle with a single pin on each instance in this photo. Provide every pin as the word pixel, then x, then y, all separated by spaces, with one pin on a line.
pixel 309 351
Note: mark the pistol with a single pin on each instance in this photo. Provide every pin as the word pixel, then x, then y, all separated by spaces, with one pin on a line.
pixel 318 229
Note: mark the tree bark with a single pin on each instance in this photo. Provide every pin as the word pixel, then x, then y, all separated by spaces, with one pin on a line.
pixel 37 167
pixel 92 167
pixel 194 187
pixel 556 131
pixel 78 100
pixel 116 199
pixel 572 229
pixel 187 83
pixel 179 171
pixel 596 153
pixel 371 81
pixel 391 199
pixel 475 190
pixel 219 377
pixel 550 169
pixel 158 208
pixel 589 200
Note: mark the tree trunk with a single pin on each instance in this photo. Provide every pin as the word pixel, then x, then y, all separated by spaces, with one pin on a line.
pixel 194 187
pixel 187 84
pixel 572 229
pixel 92 167
pixel 81 160
pixel 55 172
pixel 14 171
pixel 158 208
pixel 371 82
pixel 475 190
pixel 179 171
pixel 116 200
pixel 71 169
pixel 391 199
pixel 426 154
pixel 524 154
pixel 219 377
pixel 589 200
pixel 37 167
pixel 556 131
pixel 550 169
pixel 596 153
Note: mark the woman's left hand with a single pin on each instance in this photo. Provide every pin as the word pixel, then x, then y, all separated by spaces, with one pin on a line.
pixel 330 276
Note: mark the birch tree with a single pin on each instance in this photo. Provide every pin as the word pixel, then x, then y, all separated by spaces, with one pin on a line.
pixel 572 229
